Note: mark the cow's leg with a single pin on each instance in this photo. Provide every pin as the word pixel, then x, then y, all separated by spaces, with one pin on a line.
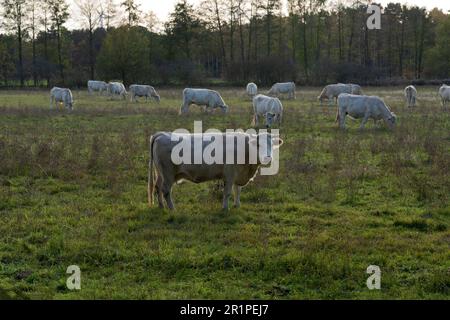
pixel 237 196
pixel 167 192
pixel 342 117
pixel 51 102
pixel 158 190
pixel 364 121
pixel 226 193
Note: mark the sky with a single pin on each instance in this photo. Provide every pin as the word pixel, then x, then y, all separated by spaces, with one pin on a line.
pixel 162 8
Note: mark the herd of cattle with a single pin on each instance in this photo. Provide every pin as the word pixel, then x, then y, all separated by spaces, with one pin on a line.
pixel 349 98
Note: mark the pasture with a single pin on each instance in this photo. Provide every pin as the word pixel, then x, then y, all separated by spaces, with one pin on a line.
pixel 73 192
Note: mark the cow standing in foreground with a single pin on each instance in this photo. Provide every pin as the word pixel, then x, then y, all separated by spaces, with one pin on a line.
pixel 146 91
pixel 202 97
pixel 235 176
pixel 410 96
pixel 268 107
pixel 117 89
pixel 364 107
pixel 61 95
pixel 444 93
pixel 98 86
pixel 332 91
pixel 283 88
pixel 252 89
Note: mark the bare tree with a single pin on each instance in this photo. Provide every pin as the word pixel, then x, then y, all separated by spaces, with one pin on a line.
pixel 214 15
pixel 89 13
pixel 34 16
pixel 58 15
pixel 107 11
pixel 15 14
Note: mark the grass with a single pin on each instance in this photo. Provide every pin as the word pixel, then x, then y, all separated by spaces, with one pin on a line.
pixel 73 191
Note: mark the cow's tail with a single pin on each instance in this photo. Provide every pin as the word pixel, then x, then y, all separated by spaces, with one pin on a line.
pixel 151 182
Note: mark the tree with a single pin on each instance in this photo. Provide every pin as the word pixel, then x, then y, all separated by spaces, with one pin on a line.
pixel 33 5
pixel 6 61
pixel 89 12
pixel 58 15
pixel 181 27
pixel 132 11
pixel 438 57
pixel 107 10
pixel 121 55
pixel 15 14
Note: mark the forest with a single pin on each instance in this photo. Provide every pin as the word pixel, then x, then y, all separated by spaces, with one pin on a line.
pixel 226 42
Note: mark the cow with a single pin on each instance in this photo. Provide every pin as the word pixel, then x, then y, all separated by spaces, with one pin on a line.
pixel 99 86
pixel 202 97
pixel 282 88
pixel 364 107
pixel 252 89
pixel 268 107
pixel 332 91
pixel 146 91
pixel 444 93
pixel 117 88
pixel 410 96
pixel 235 176
pixel 61 95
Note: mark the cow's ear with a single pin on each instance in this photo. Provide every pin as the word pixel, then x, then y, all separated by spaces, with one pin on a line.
pixel 277 142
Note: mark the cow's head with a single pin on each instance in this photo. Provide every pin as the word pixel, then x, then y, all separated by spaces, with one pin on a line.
pixel 266 143
pixel 157 97
pixel 392 118
pixel 68 99
pixel 270 119
pixel 224 108
pixel 322 95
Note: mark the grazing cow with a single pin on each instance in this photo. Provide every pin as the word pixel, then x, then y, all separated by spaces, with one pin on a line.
pixel 202 97
pixel 137 90
pixel 283 88
pixel 61 95
pixel 410 96
pixel 117 88
pixel 444 93
pixel 332 91
pixel 364 107
pixel 269 107
pixel 99 86
pixel 234 176
pixel 252 89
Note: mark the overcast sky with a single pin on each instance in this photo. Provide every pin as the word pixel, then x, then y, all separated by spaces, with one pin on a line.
pixel 162 8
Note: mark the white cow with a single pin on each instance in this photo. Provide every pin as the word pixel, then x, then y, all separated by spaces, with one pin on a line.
pixel 364 107
pixel 99 86
pixel 234 174
pixel 268 107
pixel 202 97
pixel 252 89
pixel 61 95
pixel 332 91
pixel 146 91
pixel 283 88
pixel 117 88
pixel 410 96
pixel 444 93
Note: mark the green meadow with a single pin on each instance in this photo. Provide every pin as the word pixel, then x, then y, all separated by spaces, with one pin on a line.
pixel 73 192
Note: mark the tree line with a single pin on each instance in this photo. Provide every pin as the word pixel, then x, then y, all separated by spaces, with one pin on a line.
pixel 220 41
